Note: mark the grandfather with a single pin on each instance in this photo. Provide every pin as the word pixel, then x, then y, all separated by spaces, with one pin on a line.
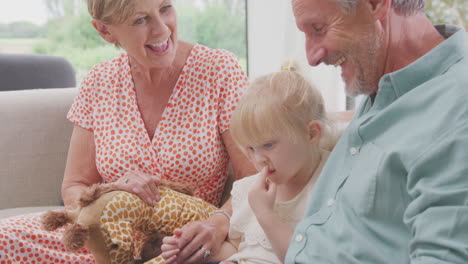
pixel 395 189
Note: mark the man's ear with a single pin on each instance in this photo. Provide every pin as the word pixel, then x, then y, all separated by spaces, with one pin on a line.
pixel 379 8
pixel 103 31
pixel 315 132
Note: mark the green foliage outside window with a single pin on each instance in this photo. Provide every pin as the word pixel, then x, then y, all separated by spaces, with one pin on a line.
pixel 71 35
pixel 214 23
pixel 448 12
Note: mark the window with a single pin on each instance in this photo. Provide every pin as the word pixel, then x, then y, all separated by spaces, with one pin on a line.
pixel 63 28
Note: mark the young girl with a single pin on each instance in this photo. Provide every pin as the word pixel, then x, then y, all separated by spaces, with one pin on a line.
pixel 280 125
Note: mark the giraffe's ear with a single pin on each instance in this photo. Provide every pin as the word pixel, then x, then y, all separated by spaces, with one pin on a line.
pixel 120 233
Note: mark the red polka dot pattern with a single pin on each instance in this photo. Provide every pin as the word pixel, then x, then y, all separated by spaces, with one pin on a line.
pixel 187 144
pixel 186 147
pixel 22 241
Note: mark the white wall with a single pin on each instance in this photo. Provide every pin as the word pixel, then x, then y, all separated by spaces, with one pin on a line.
pixel 274 38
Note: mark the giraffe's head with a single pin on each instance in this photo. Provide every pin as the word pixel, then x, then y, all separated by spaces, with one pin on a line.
pixel 111 243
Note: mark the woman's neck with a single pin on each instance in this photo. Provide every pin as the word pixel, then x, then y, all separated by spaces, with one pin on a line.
pixel 154 77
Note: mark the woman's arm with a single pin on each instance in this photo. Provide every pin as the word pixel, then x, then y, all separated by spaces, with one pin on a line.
pixel 212 232
pixel 279 234
pixel 241 165
pixel 80 170
pixel 227 249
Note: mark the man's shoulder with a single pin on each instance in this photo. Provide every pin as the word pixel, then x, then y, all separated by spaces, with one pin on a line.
pixel 453 84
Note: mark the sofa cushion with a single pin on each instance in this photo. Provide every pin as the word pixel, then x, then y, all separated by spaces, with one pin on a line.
pixel 34 140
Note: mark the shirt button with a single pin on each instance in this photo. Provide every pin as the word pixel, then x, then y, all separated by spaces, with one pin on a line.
pixel 299 238
pixel 353 151
pixel 331 202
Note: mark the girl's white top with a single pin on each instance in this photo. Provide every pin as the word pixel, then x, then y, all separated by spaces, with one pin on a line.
pixel 255 248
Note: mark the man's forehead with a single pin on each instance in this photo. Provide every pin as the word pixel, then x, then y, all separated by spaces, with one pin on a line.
pixel 308 10
pixel 313 6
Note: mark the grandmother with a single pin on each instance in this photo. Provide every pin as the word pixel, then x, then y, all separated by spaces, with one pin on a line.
pixel 160 110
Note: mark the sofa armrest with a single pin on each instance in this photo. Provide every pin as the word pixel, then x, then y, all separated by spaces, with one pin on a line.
pixel 34 139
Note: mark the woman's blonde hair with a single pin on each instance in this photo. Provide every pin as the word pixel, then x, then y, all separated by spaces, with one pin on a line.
pixel 111 11
pixel 277 104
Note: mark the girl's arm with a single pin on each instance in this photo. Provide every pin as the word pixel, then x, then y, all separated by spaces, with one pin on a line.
pixel 279 234
pixel 262 196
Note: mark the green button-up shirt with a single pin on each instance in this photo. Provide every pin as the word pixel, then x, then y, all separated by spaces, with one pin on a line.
pixel 395 188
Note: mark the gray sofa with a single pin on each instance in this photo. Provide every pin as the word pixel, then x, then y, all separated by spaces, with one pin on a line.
pixel 34 133
pixel 33 71
pixel 34 140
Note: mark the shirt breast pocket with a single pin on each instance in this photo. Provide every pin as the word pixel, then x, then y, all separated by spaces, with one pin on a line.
pixel 359 192
pixel 320 217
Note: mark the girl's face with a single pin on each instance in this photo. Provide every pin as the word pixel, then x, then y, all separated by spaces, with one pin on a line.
pixel 287 161
pixel 149 35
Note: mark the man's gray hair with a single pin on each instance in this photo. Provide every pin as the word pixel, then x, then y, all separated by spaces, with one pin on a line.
pixel 403 7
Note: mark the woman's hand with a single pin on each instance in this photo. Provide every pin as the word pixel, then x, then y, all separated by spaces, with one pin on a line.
pixel 185 246
pixel 142 184
pixel 262 195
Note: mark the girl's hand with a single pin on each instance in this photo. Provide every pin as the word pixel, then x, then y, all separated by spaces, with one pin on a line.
pixel 262 195
pixel 189 244
pixel 142 184
pixel 170 248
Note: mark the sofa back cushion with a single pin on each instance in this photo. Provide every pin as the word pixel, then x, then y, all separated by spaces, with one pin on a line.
pixel 32 71
pixel 34 139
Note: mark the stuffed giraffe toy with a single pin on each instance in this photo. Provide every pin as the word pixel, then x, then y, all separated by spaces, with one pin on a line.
pixel 106 220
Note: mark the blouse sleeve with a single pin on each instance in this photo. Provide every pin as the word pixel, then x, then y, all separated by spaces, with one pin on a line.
pixel 231 83
pixel 81 111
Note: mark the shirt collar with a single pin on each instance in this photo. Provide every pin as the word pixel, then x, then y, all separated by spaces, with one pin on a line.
pixel 435 62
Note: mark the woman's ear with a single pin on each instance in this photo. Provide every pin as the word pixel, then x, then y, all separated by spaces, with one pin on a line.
pixel 315 132
pixel 103 30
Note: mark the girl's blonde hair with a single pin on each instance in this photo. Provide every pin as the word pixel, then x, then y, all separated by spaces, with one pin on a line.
pixel 111 11
pixel 277 104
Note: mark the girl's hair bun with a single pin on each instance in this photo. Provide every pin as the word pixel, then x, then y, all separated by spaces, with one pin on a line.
pixel 291 65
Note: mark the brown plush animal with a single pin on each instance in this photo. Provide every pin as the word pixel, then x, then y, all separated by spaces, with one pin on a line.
pixel 106 220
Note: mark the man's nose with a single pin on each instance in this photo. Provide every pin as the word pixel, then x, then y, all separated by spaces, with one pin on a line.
pixel 315 52
pixel 316 56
